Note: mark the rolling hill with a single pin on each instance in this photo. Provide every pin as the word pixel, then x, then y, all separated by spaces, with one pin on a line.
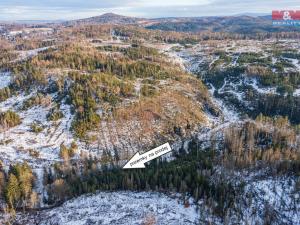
pixel 242 24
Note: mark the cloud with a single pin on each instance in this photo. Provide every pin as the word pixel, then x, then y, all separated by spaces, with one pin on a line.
pixel 74 9
pixel 162 3
pixel 65 3
pixel 218 7
pixel 54 13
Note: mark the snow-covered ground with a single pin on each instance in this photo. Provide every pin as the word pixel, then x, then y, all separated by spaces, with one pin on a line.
pixel 30 53
pixel 197 58
pixel 229 114
pixel 297 92
pixel 262 90
pixel 39 150
pixel 113 208
pixel 4 79
pixel 190 59
pixel 296 63
pixel 277 198
pixel 263 199
pixel 30 30
pixel 20 142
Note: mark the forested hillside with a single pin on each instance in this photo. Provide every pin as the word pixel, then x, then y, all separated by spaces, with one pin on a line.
pixel 78 100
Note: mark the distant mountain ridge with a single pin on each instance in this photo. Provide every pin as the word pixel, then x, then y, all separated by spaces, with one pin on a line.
pixel 244 24
pixel 240 24
pixel 233 24
pixel 107 18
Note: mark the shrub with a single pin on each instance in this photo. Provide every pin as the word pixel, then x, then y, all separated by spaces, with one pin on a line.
pixel 55 114
pixel 36 128
pixel 34 153
pixel 5 93
pixel 148 90
pixel 67 153
pixel 19 185
pixel 39 99
pixel 9 119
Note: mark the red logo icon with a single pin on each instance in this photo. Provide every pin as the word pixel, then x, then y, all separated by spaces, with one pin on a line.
pixel 285 15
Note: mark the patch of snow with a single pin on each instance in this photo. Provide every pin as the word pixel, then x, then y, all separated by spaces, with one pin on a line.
pixel 23 55
pixel 295 62
pixel 214 60
pixel 176 59
pixel 112 208
pixel 14 33
pixel 14 102
pixel 297 93
pixel 276 195
pixel 19 141
pixel 19 144
pixel 191 59
pixel 262 90
pixel 235 60
pixel 5 79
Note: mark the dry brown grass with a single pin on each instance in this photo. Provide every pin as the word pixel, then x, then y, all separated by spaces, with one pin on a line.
pixel 162 113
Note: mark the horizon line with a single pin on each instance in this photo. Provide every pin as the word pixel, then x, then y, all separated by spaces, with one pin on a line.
pixel 251 14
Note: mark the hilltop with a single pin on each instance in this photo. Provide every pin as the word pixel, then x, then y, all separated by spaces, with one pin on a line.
pixel 107 18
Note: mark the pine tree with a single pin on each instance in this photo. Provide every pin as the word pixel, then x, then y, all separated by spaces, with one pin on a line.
pixel 12 192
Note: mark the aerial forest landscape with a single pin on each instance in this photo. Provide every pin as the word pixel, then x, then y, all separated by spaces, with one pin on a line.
pixel 149 113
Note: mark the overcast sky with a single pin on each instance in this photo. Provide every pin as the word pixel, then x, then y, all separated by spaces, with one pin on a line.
pixel 74 9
